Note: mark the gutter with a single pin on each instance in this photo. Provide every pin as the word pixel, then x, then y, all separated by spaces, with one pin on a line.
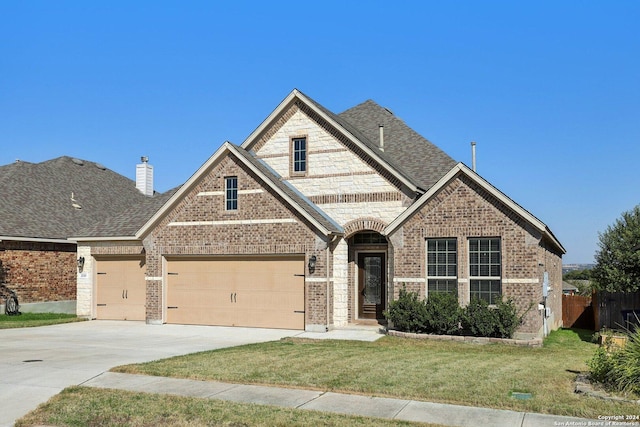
pixel 32 239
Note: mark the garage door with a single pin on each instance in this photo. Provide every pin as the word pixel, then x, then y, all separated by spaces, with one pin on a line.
pixel 263 292
pixel 120 289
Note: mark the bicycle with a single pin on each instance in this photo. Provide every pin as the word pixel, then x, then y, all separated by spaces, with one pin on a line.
pixel 11 305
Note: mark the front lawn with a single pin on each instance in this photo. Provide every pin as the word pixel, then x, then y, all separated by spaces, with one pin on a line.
pixel 26 320
pixel 438 371
pixel 85 406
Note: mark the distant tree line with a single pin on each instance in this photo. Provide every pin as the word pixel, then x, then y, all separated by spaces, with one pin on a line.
pixel 577 275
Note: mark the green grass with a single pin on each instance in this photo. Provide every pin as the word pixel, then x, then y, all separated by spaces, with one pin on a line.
pixel 26 320
pixel 83 406
pixel 439 371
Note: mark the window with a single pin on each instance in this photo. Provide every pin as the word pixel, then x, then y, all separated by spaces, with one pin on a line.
pixel 442 266
pixel 299 155
pixel 485 269
pixel 231 193
pixel 370 238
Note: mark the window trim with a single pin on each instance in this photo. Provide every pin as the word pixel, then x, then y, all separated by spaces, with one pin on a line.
pixel 487 278
pixel 446 264
pixel 227 199
pixel 292 154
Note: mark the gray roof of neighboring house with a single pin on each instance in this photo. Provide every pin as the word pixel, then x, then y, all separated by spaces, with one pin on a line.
pixel 37 197
pixel 128 221
pixel 409 152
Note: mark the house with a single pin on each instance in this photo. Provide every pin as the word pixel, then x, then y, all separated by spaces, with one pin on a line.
pixel 42 205
pixel 316 221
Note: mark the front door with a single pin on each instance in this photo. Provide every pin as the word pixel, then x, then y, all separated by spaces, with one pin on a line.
pixel 371 285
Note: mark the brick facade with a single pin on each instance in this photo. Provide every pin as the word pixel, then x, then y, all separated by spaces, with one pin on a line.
pixel 347 182
pixel 173 236
pixel 38 271
pixel 462 209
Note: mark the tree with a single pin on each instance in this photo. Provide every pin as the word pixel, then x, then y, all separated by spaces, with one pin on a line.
pixel 618 259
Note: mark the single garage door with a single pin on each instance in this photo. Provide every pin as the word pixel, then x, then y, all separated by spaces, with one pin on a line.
pixel 120 288
pixel 265 292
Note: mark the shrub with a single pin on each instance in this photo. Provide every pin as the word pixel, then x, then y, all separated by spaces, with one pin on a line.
pixel 600 367
pixel 618 368
pixel 407 313
pixel 500 321
pixel 507 318
pixel 478 319
pixel 443 314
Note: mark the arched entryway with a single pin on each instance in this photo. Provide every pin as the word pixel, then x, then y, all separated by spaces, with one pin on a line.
pixel 368 276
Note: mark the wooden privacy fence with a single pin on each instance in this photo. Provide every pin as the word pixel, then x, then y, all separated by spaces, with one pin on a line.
pixel 577 312
pixel 616 310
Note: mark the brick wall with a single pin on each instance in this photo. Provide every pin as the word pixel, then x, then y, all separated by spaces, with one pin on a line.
pixel 177 234
pixel 39 272
pixel 464 210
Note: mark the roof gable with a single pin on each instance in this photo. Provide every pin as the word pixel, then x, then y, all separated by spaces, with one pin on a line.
pixel 343 126
pixel 302 205
pixel 458 169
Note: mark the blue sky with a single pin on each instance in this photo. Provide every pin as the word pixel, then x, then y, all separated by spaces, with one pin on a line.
pixel 550 90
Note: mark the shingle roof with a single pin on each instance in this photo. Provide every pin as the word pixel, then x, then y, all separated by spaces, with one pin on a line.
pixel 127 222
pixel 37 197
pixel 409 152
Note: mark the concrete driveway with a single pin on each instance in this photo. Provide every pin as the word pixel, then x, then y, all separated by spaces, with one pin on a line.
pixel 37 363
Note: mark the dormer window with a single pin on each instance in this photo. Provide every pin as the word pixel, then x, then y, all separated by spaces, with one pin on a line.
pixel 299 155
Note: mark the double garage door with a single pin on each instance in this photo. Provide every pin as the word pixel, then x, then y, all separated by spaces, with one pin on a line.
pixel 255 291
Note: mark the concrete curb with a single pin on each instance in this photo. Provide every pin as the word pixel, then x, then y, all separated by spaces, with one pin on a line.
pixel 348 404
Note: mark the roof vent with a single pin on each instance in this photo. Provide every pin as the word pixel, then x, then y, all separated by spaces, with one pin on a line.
pixel 77 161
pixel 100 166
pixel 144 177
pixel 75 203
pixel 381 128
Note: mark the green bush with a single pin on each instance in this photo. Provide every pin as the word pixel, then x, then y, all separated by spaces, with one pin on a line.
pixel 618 369
pixel 407 313
pixel 443 314
pixel 507 318
pixel 501 321
pixel 478 319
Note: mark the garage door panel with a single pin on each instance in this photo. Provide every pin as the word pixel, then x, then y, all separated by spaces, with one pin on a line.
pixel 236 291
pixel 120 289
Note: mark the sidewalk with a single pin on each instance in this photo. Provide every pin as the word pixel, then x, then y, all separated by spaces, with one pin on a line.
pixel 398 409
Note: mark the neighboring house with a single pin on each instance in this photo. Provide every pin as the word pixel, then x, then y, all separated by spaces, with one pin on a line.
pixel 42 205
pixel 569 289
pixel 316 221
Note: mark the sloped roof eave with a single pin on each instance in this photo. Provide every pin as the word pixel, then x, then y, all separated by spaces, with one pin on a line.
pixel 226 147
pixel 335 123
pixel 462 168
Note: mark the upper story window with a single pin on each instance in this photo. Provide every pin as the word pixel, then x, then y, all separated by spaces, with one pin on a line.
pixel 485 269
pixel 231 193
pixel 442 266
pixel 299 155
